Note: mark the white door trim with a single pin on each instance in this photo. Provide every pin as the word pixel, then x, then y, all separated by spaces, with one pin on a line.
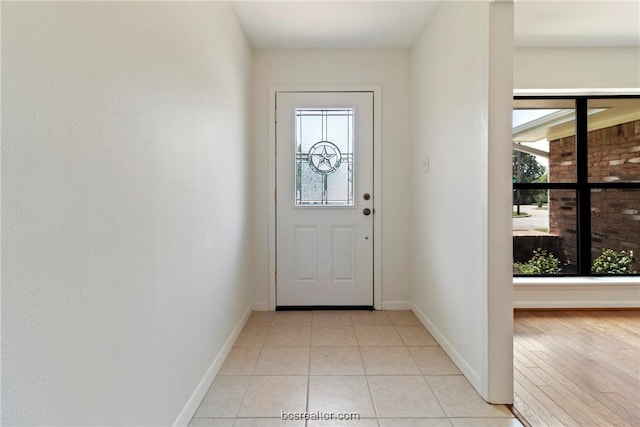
pixel 377 180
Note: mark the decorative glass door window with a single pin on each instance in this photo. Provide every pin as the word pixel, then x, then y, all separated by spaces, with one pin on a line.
pixel 324 160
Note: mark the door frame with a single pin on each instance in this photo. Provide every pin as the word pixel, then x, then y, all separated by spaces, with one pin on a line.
pixel 377 180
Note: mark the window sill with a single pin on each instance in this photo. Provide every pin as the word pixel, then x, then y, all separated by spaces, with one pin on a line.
pixel 576 292
pixel 576 281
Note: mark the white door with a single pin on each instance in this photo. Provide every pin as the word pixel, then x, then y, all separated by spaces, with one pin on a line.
pixel 324 202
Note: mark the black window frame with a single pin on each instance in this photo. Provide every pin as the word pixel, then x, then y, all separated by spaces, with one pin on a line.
pixel 582 186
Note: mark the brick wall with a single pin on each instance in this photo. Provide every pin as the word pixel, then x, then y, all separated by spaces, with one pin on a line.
pixel 614 155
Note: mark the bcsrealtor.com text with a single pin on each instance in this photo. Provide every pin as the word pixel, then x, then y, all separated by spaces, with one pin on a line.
pixel 319 415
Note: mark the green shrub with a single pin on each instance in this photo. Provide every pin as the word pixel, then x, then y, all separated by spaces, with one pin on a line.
pixel 614 262
pixel 542 262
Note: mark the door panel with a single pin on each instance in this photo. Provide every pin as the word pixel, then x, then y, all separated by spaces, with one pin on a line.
pixel 324 166
pixel 344 253
pixel 306 254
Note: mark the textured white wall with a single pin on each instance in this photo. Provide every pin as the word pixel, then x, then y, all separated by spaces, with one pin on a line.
pixel 125 196
pixel 391 70
pixel 461 236
pixel 576 68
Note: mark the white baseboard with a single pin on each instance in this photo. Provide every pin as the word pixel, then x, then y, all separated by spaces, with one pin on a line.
pixel 190 408
pixel 574 304
pixel 260 306
pixel 597 292
pixel 396 305
pixel 456 357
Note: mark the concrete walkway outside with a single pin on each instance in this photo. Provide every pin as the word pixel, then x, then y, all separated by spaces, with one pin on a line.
pixel 531 225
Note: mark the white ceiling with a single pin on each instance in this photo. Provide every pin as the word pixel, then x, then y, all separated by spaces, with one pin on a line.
pixel 577 23
pixel 398 24
pixel 333 24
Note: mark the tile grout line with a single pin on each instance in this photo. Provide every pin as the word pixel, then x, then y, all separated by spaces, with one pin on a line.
pixel 366 377
pixel 444 411
pixel 415 361
pixel 310 344
pixel 251 376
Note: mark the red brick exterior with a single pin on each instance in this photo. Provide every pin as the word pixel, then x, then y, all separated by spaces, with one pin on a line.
pixel 614 155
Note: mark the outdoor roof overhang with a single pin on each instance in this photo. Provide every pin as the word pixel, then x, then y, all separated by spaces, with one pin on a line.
pixel 561 123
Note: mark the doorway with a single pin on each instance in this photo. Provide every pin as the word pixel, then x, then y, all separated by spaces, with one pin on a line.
pixel 324 199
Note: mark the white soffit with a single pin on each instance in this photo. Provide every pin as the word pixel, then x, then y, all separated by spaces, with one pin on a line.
pixel 577 23
pixel 333 24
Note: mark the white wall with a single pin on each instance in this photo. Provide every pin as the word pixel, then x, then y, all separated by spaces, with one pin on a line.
pixel 125 198
pixel 576 68
pixel 461 280
pixel 391 70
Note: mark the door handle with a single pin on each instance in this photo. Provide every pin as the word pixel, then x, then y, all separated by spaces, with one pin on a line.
pixel 366 211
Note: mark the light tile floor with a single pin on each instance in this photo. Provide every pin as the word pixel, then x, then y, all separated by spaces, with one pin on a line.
pixel 382 365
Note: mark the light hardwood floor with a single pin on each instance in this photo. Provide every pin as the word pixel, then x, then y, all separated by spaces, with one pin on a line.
pixel 577 368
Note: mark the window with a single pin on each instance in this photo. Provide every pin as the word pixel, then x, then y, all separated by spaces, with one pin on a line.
pixel 324 156
pixel 576 185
